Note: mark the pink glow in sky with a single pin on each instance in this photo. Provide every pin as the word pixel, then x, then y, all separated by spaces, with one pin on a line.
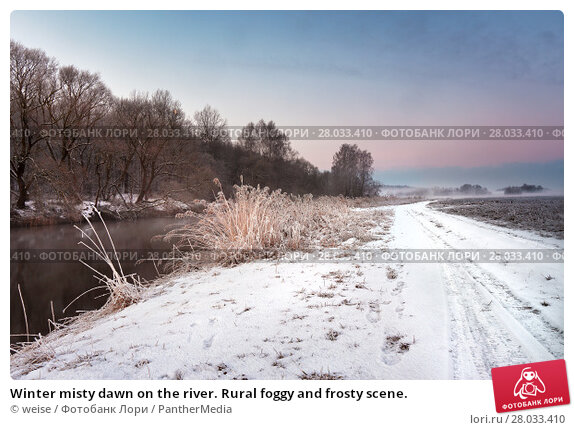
pixel 413 154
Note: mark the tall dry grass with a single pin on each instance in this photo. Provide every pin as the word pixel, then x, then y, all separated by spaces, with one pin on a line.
pixel 124 289
pixel 259 222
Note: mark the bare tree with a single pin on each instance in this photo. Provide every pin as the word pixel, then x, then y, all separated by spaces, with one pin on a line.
pixel 367 185
pixel 210 126
pixel 33 89
pixel 274 143
pixel 83 100
pixel 154 118
pixel 81 103
pixel 249 138
pixel 267 140
pixel 352 171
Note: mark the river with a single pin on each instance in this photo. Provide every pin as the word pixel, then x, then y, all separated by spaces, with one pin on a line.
pixel 63 278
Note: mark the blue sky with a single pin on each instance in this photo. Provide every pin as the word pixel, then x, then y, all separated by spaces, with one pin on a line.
pixel 334 68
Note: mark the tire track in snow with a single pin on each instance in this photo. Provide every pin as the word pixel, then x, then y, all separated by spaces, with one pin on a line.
pixel 501 331
pixel 476 343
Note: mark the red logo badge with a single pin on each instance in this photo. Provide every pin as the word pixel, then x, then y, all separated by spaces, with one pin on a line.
pixel 529 386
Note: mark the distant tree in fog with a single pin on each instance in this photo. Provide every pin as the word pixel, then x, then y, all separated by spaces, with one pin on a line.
pixel 524 188
pixel 475 190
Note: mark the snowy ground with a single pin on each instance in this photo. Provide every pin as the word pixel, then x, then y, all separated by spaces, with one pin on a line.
pixel 269 320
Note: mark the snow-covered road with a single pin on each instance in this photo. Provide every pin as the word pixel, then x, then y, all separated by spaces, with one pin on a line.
pixel 274 320
pixel 494 314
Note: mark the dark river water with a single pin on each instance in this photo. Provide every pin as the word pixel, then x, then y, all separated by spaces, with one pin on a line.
pixel 64 278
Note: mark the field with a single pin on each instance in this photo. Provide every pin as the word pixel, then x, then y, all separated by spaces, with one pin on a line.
pixel 543 215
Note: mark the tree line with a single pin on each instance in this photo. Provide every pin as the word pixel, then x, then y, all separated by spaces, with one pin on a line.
pixel 524 188
pixel 49 160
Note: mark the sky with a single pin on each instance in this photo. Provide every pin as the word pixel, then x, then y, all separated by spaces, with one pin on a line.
pixel 347 68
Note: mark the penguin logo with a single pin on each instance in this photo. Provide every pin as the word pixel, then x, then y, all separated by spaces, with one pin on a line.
pixel 529 384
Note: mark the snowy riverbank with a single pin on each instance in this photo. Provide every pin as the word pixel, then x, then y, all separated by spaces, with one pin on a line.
pixel 52 212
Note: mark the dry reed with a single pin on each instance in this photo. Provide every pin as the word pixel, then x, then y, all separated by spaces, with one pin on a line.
pixel 123 289
pixel 258 222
